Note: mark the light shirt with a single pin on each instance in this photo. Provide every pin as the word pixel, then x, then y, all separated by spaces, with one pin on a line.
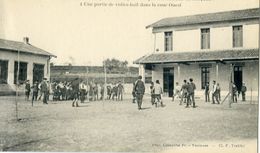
pixel 157 89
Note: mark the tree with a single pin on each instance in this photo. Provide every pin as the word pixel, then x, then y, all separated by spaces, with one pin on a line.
pixel 115 66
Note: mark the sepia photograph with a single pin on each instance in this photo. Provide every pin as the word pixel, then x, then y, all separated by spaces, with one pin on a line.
pixel 155 76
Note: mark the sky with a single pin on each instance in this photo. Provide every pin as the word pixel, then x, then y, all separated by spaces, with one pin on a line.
pixel 86 35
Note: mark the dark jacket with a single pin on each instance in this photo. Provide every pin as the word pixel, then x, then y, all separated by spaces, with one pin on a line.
pixel 44 87
pixel 191 87
pixel 27 87
pixel 139 87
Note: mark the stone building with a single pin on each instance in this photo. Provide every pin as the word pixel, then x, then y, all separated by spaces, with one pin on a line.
pixel 222 46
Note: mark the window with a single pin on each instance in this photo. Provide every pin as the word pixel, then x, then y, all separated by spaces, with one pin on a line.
pixel 205 38
pixel 168 41
pixel 3 71
pixel 237 36
pixel 22 72
pixel 204 76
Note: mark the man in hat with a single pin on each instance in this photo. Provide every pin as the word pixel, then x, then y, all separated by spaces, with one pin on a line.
pixel 207 92
pixel 27 89
pixel 184 89
pixel 214 93
pixel 75 92
pixel 243 91
pixel 235 92
pixel 44 89
pixel 35 90
pixel 120 91
pixel 139 91
pixel 191 95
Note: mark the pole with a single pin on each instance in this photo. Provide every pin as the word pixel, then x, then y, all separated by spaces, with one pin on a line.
pixel 105 84
pixel 17 83
pixel 231 86
pixel 251 96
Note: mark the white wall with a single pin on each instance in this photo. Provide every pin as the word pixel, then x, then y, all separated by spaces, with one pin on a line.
pixel 159 41
pixel 251 36
pixel 186 40
pixel 28 58
pixel 220 38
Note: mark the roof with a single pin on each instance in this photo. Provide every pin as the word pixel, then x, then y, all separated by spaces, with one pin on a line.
pixel 9 45
pixel 207 18
pixel 200 56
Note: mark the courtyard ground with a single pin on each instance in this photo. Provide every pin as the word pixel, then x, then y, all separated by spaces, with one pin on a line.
pixel 118 126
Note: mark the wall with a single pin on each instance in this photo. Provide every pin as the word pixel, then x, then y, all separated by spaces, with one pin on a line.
pixel 251 36
pixel 220 38
pixel 28 58
pixel 186 40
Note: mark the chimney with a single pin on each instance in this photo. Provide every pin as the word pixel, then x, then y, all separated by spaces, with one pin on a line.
pixel 26 40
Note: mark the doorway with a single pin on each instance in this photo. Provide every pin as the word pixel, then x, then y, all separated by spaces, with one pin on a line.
pixel 38 72
pixel 168 81
pixel 238 77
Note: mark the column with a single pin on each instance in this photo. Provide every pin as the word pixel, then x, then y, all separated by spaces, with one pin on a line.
pixel 217 72
pixel 142 71
pixel 153 75
pixel 10 77
pixel 230 85
pixel 30 72
pixel 178 72
pixel 48 67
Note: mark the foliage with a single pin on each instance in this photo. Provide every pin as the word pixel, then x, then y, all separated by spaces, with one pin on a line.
pixel 115 66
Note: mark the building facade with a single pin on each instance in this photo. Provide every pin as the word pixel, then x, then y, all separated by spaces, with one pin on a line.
pixel 21 61
pixel 221 46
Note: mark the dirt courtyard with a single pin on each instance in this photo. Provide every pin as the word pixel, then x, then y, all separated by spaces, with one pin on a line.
pixel 118 126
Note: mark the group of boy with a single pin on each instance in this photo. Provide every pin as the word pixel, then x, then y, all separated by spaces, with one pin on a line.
pixel 42 88
pixel 216 92
pixel 115 91
pixel 156 94
pixel 186 92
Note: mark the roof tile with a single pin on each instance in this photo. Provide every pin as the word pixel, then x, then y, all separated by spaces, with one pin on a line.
pixel 207 18
pixel 23 47
pixel 199 56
